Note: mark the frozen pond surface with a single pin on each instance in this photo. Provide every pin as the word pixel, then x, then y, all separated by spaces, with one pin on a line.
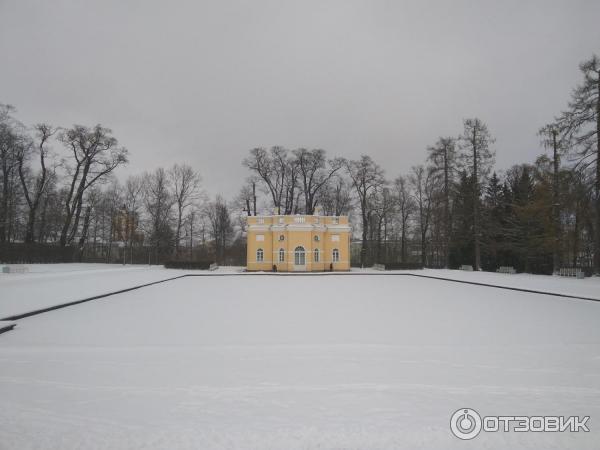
pixel 298 362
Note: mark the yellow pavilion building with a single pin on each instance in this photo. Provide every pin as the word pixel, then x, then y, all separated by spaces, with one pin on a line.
pixel 299 243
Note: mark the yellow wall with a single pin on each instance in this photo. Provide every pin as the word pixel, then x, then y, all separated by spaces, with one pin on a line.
pixel 298 231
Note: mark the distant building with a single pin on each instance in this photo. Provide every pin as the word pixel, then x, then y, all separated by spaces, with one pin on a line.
pixel 299 243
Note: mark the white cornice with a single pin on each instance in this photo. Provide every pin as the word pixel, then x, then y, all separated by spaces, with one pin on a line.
pixel 339 227
pixel 300 227
pixel 259 228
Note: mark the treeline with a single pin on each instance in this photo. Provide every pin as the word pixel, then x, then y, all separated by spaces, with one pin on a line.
pixel 58 188
pixel 453 209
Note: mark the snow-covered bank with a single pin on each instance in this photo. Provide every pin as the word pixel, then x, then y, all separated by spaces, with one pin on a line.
pixel 365 362
pixel 47 285
pixel 588 287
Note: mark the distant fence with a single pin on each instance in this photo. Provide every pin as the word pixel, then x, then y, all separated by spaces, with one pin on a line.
pixel 17 253
pixel 189 265
pixel 391 252
pixel 20 253
pixel 398 266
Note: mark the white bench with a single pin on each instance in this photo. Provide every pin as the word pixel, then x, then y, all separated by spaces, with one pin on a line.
pixel 466 267
pixel 506 269
pixel 378 266
pixel 15 268
pixel 574 272
pixel 213 266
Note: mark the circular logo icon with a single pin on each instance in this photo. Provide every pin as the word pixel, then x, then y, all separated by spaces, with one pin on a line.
pixel 465 423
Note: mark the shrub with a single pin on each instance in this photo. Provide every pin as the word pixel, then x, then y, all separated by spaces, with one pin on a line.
pixel 188 265
pixel 402 266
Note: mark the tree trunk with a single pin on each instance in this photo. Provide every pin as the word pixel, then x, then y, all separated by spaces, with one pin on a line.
pixel 555 209
pixel 423 248
pixel 365 229
pixel 42 227
pixel 597 185
pixel 4 204
pixel 476 204
pixel 191 236
pixel 178 232
pixel 446 211
pixel 86 225
pixel 403 244
pixel 254 197
pixel 576 236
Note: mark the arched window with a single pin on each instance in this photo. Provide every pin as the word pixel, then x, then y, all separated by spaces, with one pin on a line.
pixel 260 255
pixel 336 255
pixel 281 255
pixel 299 256
pixel 316 255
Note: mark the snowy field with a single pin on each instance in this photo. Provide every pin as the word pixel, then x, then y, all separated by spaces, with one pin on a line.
pixel 293 362
pixel 47 285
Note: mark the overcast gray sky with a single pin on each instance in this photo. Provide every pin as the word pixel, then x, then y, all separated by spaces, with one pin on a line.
pixel 202 82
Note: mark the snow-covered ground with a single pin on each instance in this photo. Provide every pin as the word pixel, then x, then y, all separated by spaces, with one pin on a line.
pixel 353 362
pixel 47 285
pixel 587 287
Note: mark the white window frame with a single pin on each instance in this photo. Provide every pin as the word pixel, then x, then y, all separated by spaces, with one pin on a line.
pixel 316 255
pixel 281 255
pixel 300 256
pixel 335 255
pixel 260 255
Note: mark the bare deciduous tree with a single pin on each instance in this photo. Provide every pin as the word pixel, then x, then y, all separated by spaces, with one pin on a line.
pixel 367 178
pixel 10 143
pixel 442 157
pixel 383 208
pixel 315 172
pixel 186 188
pixel 220 226
pixel 421 180
pixel 580 124
pixel 33 194
pixel 158 202
pixel 279 174
pixel 94 154
pixel 477 158
pixel 247 198
pixel 405 208
pixel 336 197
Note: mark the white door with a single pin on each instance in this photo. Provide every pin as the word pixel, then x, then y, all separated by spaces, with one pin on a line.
pixel 299 259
